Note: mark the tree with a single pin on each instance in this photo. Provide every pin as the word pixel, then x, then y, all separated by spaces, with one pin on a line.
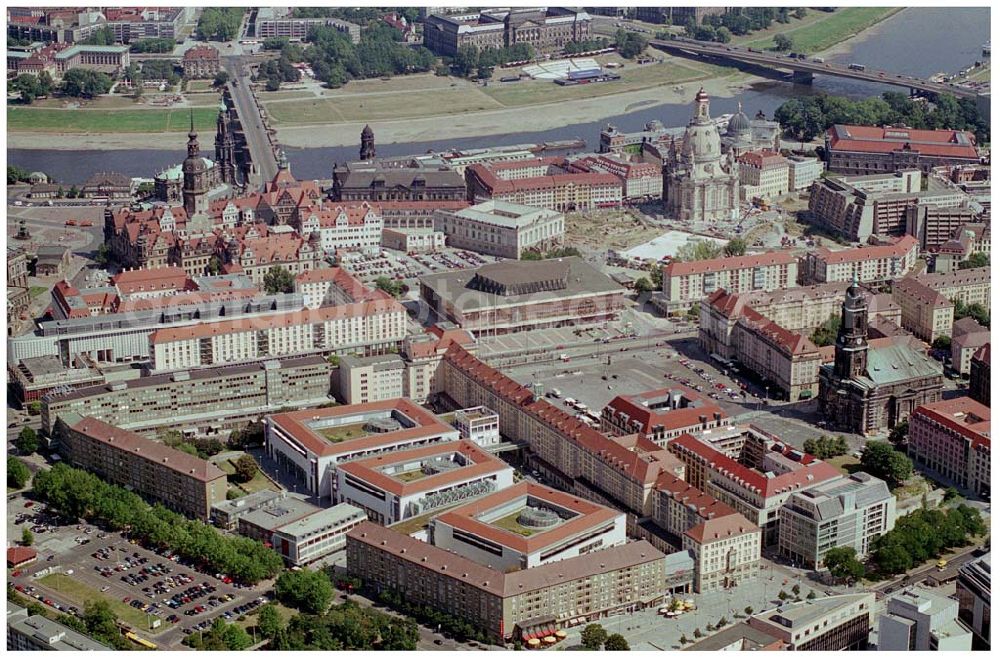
pixel 735 247
pixel 269 621
pixel 79 82
pixel 643 285
pixel 782 595
pixel 978 259
pixel 656 275
pixel 616 642
pixel 782 43
pixel 246 468
pixel 593 637
pixel 28 86
pixel 306 590
pixel 27 538
pixel 34 407
pixel 697 250
pixel 697 633
pixel 214 265
pixel 18 473
pixel 73 192
pixel 826 334
pixel 899 432
pixel 826 447
pixel 748 610
pixel 883 461
pixel 942 342
pixel 221 78
pixel 278 280
pixel 796 589
pixel 16 174
pixel 390 286
pixel 811 596
pixel 27 441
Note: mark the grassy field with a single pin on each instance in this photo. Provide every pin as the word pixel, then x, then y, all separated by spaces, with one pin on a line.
pixel 412 475
pixel 375 107
pixel 148 120
pixel 830 30
pixel 846 464
pixel 345 432
pixel 634 77
pixel 200 85
pixel 37 291
pixel 258 483
pixel 80 593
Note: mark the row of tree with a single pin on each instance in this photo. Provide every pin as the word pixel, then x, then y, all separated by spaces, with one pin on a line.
pixel 335 60
pixel 76 494
pixel 348 626
pixel 806 117
pixel 595 637
pixel 458 629
pixel 826 447
pixel 158 45
pixel 471 59
pixel 559 252
pixel 309 591
pixel 739 22
pixel 826 333
pixel 706 250
pixel 977 311
pixel 220 636
pixel 921 535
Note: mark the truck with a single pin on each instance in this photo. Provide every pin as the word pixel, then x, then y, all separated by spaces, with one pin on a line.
pixel 856 67
pixel 564 358
pixel 819 60
pixel 555 393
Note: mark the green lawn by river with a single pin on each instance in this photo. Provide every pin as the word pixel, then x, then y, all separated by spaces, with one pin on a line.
pixel 109 121
pixel 839 26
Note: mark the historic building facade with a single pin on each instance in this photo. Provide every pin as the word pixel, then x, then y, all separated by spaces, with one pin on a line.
pixel 867 390
pixel 699 183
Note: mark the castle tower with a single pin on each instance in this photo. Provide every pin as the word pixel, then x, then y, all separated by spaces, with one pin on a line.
pixel 851 349
pixel 195 171
pixel 367 144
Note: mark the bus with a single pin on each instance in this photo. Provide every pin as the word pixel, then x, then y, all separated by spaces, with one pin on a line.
pixel 856 67
pixel 132 636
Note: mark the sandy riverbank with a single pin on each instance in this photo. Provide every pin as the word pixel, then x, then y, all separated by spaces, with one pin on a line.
pixel 53 141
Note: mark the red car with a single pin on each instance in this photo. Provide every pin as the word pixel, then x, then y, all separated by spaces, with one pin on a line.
pixel 28 505
pixel 16 573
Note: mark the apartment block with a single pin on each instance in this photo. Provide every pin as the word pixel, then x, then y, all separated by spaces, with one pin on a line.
pixel 687 283
pixel 863 264
pixel 552 183
pixel 927 313
pixel 173 478
pixel 501 229
pixel 660 415
pixel 369 327
pixel 966 285
pixel 276 22
pixel 921 619
pixel 952 438
pixel 640 180
pixel 934 226
pixel 205 401
pixel 967 338
pixel 849 512
pixel 36 632
pixel 788 362
pixel 516 604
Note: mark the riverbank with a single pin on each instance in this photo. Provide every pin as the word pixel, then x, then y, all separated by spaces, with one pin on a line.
pixel 506 112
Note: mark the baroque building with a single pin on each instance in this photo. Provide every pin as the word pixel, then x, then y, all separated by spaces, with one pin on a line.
pixel 867 390
pixel 699 183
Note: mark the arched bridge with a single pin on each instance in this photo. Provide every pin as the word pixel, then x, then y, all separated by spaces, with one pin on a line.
pixel 803 67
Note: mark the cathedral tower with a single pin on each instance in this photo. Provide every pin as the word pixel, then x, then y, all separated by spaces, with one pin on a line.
pixel 225 147
pixel 195 171
pixel 367 144
pixel 851 350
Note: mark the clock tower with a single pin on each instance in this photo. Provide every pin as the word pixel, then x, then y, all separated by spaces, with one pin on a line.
pixel 851 359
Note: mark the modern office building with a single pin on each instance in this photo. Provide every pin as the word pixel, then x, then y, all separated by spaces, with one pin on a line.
pixel 952 438
pixel 850 512
pixel 277 22
pixel 525 525
pixel 399 485
pixel 317 535
pixel 479 425
pixel 310 444
pixel 173 478
pixel 974 594
pixel 836 622
pixel 202 401
pixel 36 632
pixel 370 379
pixel 921 619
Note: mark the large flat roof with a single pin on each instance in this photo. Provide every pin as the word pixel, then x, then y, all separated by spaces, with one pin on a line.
pixel 317 520
pixel 582 280
pixel 301 426
pixel 585 516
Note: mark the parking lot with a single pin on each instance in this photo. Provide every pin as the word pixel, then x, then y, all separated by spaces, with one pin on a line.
pixel 407 268
pixel 158 594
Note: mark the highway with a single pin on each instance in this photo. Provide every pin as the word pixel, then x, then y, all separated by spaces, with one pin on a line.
pixel 688 47
pixel 261 153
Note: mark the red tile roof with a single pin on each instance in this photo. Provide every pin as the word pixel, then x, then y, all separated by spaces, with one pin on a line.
pixel 900 249
pixel 813 471
pixel 761 159
pixel 18 555
pixel 983 354
pixel 867 139
pixel 963 415
pixel 151 280
pixel 726 264
pixel 496 185
pixel 201 52
pixel 669 419
pixel 719 529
